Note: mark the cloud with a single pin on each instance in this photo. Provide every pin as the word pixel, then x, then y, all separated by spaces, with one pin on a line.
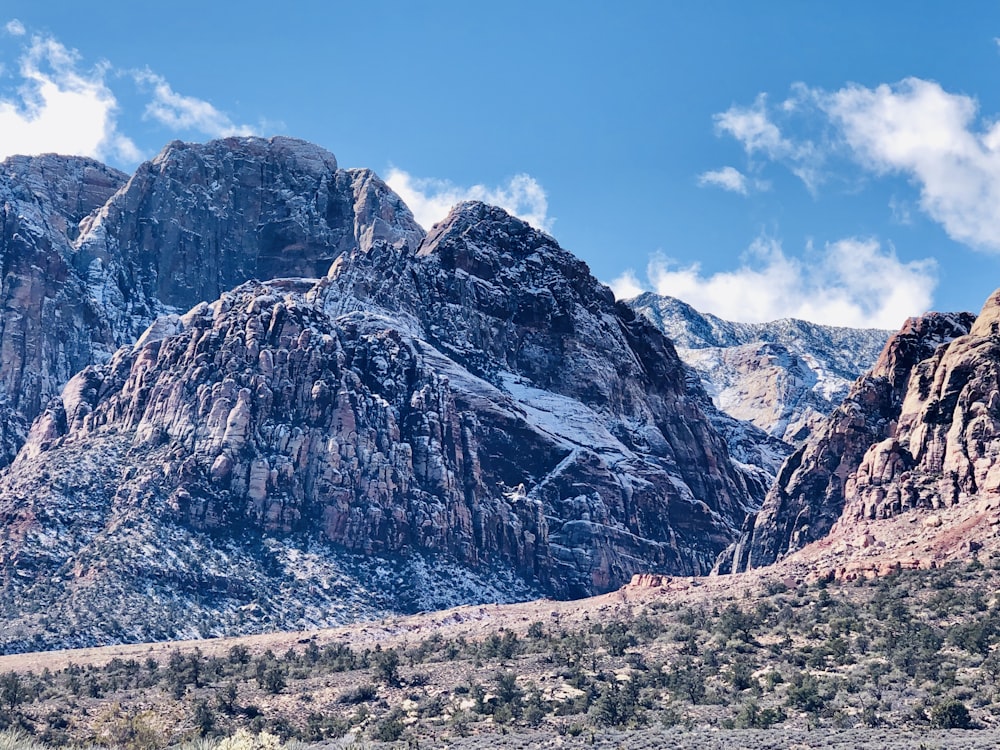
pixel 755 128
pixel 853 282
pixel 918 129
pixel 627 285
pixel 431 199
pixel 61 108
pixel 727 178
pixel 186 112
pixel 938 140
pixel 60 105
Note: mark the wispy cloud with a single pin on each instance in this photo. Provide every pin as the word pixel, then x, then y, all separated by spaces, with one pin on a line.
pixel 431 199
pixel 727 178
pixel 60 104
pixel 182 112
pixel 61 107
pixel 853 282
pixel 754 127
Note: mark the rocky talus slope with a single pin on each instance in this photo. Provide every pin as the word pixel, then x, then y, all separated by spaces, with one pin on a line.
pixel 851 454
pixel 466 416
pixel 784 377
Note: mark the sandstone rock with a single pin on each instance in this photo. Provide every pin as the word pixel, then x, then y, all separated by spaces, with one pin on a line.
pixel 811 489
pixel 945 448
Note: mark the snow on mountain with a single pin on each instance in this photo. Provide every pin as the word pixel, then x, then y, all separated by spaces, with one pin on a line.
pixel 784 377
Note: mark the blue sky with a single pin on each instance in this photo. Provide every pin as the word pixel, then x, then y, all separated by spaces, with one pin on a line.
pixel 837 161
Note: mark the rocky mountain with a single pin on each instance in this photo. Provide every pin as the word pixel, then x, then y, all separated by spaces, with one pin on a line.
pixel 784 377
pixel 859 457
pixel 466 416
pixel 90 256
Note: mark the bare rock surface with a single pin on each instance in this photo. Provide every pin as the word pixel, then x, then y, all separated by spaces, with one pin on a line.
pixel 811 490
pixel 49 328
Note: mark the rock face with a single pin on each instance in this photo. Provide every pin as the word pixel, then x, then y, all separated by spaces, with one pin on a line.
pixel 463 417
pixel 91 257
pixel 945 449
pixel 817 480
pixel 50 328
pixel 784 377
pixel 200 219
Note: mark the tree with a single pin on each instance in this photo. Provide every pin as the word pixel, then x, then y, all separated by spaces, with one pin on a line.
pixel 951 714
pixel 387 666
pixel 12 690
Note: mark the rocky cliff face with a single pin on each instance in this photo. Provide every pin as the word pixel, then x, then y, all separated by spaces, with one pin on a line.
pixel 817 480
pixel 945 449
pixel 91 257
pixel 49 327
pixel 463 417
pixel 200 219
pixel 784 377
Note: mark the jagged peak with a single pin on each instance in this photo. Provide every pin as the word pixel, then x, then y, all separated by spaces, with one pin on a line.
pixel 29 162
pixel 917 340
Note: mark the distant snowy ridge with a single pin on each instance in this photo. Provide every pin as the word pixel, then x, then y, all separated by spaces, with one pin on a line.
pixel 783 376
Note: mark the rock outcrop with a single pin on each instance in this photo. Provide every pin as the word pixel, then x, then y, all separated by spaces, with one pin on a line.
pixel 811 489
pixel 945 449
pixel 90 257
pixel 463 417
pixel 200 219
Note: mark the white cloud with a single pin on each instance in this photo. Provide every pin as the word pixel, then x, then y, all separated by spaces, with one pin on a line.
pixel 186 112
pixel 852 282
pixel 918 129
pixel 727 178
pixel 431 199
pixel 627 285
pixel 60 105
pixel 61 108
pixel 755 128
pixel 938 140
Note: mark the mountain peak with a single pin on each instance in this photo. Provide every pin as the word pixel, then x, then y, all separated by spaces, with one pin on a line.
pixel 299 154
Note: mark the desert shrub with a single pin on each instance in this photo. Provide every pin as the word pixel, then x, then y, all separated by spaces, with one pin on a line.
pixel 388 730
pixel 360 694
pixel 752 716
pixel 951 714
pixel 386 666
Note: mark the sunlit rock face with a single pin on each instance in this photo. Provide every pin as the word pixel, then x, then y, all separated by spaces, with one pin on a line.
pixel 319 414
pixel 854 453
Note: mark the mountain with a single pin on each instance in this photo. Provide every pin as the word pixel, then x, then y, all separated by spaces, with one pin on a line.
pixel 784 377
pixel 90 256
pixel 862 450
pixel 317 414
